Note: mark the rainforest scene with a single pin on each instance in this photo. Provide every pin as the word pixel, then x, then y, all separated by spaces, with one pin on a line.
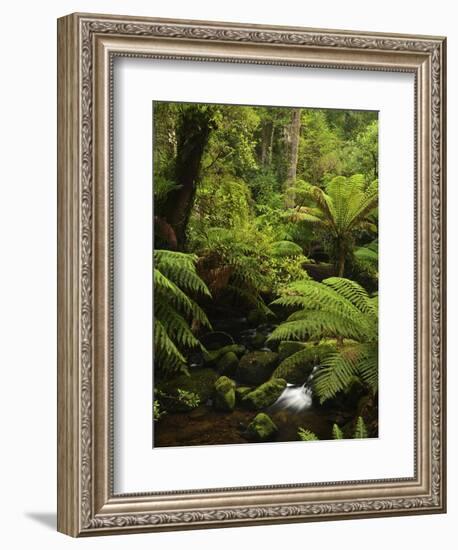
pixel 265 277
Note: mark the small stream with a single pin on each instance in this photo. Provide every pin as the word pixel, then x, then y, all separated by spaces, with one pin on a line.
pixel 205 426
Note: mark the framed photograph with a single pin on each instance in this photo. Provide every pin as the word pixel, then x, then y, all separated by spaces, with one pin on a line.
pixel 251 290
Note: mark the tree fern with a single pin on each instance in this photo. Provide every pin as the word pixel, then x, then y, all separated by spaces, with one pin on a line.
pixel 175 281
pixel 230 262
pixel 342 209
pixel 366 258
pixel 336 308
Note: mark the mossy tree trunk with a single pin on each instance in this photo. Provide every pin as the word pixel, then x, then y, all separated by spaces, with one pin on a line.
pixel 294 134
pixel 193 131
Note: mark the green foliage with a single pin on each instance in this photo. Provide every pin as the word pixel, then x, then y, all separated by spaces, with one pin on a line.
pixel 158 413
pixel 162 187
pixel 360 429
pixel 241 247
pixel 175 281
pixel 366 258
pixel 224 204
pixel 362 152
pixel 230 263
pixel 336 308
pixel 360 432
pixel 188 398
pixel 306 435
pixel 231 148
pixel 304 360
pixel 339 213
pixel 282 249
pixel 320 148
pixel 239 263
pixel 337 432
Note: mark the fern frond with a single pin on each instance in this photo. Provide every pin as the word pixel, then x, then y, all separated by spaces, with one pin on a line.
pixel 175 277
pixel 337 432
pixel 180 268
pixel 368 367
pixel 283 249
pixel 337 372
pixel 306 435
pixel 351 291
pixel 165 350
pixel 165 289
pixel 322 296
pixel 175 324
pixel 360 429
pixel 314 355
pixel 317 324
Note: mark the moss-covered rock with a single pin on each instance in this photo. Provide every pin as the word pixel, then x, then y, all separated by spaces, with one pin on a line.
pixel 287 348
pixel 259 340
pixel 256 367
pixel 216 340
pixel 241 391
pixel 227 364
pixel 200 382
pixel 264 395
pixel 256 316
pixel 224 399
pixel 298 366
pixel 261 428
pixel 211 357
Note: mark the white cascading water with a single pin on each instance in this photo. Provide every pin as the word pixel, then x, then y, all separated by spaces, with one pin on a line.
pixel 295 398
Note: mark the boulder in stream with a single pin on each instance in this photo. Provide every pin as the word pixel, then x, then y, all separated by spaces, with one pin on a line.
pixel 256 367
pixel 261 428
pixel 287 348
pixel 227 364
pixel 224 399
pixel 259 340
pixel 211 357
pixel 200 382
pixel 241 391
pixel 299 364
pixel 264 395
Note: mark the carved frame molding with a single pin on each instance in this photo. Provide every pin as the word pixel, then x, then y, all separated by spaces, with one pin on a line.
pixel 87 46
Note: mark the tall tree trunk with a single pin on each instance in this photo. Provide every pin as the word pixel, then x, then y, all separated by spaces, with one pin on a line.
pixel 294 134
pixel 341 262
pixel 266 143
pixel 193 132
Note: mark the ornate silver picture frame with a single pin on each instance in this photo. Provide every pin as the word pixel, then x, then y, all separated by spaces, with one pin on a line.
pixel 87 47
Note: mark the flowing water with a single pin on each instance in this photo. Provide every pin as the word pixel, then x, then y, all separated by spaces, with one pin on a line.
pixel 205 426
pixel 294 398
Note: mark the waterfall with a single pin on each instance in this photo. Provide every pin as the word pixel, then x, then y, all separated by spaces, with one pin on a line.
pixel 295 398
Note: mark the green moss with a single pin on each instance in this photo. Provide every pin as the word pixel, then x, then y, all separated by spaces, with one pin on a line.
pixel 256 367
pixel 241 391
pixel 224 398
pixel 287 348
pixel 259 340
pixel 214 356
pixel 262 428
pixel 256 317
pixel 265 395
pixel 227 364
